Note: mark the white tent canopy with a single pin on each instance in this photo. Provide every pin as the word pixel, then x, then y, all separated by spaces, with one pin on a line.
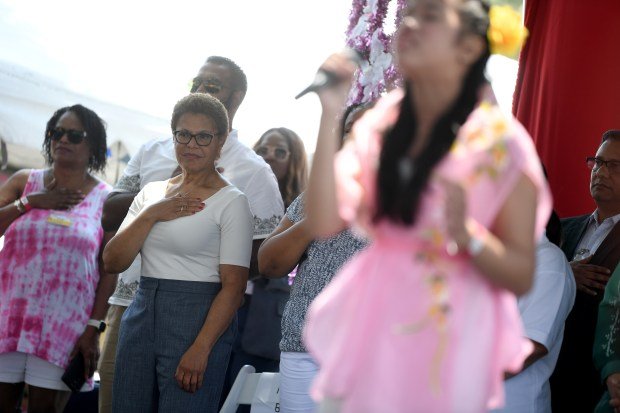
pixel 28 100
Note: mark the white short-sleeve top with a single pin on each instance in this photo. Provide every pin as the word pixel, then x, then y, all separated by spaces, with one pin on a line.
pixel 156 161
pixel 192 248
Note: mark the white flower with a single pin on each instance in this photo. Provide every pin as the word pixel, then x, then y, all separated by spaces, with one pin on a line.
pixel 372 77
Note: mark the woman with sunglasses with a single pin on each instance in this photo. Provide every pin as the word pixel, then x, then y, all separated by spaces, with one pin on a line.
pixel 261 315
pixel 194 235
pixel 53 289
pixel 452 195
pixel 284 151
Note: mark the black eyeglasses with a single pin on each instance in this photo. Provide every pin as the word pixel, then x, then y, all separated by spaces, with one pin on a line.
pixel 74 136
pixel 211 86
pixel 278 153
pixel 595 163
pixel 184 137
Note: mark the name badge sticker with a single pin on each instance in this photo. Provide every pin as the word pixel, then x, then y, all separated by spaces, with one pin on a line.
pixel 60 220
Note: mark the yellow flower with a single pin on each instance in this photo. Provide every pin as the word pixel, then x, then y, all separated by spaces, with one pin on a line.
pixel 485 105
pixel 434 236
pixel 499 126
pixel 506 32
pixel 499 154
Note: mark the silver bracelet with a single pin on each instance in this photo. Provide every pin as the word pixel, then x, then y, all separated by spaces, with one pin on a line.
pixel 20 207
pixel 475 246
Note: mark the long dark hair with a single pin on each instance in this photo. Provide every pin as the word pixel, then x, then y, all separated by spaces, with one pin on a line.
pixel 398 197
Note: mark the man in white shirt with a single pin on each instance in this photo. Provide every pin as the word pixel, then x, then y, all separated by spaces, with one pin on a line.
pixel 155 161
pixel 592 245
pixel 543 310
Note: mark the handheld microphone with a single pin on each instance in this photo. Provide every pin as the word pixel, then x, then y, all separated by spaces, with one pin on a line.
pixel 325 78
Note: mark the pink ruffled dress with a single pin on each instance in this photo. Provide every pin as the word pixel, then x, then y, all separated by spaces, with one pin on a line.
pixel 404 326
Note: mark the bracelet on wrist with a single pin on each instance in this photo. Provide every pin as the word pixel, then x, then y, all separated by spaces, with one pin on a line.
pixel 476 240
pixel 25 203
pixel 475 246
pixel 20 207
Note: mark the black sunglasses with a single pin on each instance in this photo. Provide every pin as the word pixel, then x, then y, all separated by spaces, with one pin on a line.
pixel 74 136
pixel 210 86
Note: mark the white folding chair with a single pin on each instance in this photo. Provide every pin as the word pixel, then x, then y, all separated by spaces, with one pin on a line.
pixel 260 390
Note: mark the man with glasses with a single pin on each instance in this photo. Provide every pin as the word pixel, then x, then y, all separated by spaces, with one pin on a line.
pixel 156 161
pixel 592 245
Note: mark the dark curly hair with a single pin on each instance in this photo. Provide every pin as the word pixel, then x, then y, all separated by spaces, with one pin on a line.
pixel 202 104
pixel 96 136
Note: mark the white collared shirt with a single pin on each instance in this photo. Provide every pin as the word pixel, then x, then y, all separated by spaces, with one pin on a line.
pixel 595 233
pixel 543 310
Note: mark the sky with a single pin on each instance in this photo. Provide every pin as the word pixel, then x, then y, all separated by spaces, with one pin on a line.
pixel 142 55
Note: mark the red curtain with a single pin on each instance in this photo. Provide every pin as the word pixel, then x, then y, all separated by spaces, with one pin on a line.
pixel 568 89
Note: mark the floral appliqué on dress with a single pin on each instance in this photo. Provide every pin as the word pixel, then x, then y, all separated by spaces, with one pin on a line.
pixel 490 138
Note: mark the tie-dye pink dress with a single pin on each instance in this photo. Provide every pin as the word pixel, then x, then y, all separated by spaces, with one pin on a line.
pixel 405 327
pixel 48 275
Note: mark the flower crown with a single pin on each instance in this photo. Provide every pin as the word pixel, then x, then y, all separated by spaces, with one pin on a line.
pixel 377 73
pixel 506 33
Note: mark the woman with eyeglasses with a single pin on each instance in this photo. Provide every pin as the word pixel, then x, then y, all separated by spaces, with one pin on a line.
pixel 53 289
pixel 284 151
pixel 194 234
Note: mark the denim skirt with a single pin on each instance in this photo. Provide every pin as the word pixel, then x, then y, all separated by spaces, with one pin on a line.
pixel 156 330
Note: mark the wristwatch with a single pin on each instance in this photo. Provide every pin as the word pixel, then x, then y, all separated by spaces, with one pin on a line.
pixel 98 324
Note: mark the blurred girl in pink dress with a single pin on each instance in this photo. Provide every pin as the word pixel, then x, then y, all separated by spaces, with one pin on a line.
pixel 452 195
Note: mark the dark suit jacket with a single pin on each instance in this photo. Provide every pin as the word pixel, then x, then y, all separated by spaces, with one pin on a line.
pixel 575 383
pixel 573 229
